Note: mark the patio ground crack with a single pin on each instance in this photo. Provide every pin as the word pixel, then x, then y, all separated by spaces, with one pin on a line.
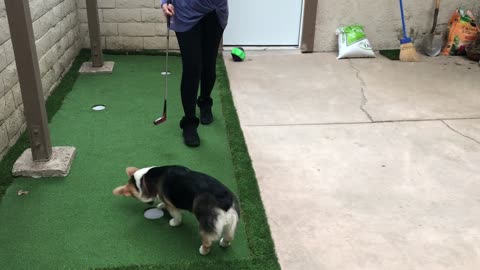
pixel 363 87
pixel 459 133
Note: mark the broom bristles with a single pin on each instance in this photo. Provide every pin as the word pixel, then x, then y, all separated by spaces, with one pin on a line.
pixel 408 53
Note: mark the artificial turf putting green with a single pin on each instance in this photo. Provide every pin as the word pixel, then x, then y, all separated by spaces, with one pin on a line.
pixel 391 54
pixel 76 223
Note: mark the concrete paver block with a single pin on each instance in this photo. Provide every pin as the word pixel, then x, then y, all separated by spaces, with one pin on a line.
pixel 107 68
pixel 57 166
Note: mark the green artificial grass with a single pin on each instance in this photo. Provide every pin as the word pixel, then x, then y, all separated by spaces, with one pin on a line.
pixel 53 104
pixel 76 223
pixel 391 54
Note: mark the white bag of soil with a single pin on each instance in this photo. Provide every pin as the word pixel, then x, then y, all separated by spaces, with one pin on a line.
pixel 353 42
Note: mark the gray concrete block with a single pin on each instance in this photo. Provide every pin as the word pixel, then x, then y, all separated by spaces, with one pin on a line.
pixel 4 30
pixel 122 15
pixel 2 9
pixel 3 137
pixel 153 15
pixel 2 87
pixel 154 43
pixel 50 4
pixel 17 95
pixel 121 43
pixel 109 29
pixel 43 45
pixel 38 8
pixel 3 57
pixel 136 29
pixel 58 166
pixel 161 29
pixel 59 11
pixel 9 76
pixel 42 25
pixel 82 15
pixel 15 137
pixel 14 122
pixel 70 6
pixel 47 82
pixel 135 4
pixel 83 4
pixel 7 106
pixel 106 3
pixel 9 51
pixel 87 67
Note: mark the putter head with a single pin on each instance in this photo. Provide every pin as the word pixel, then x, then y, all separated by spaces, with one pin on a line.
pixel 160 120
pixel 163 118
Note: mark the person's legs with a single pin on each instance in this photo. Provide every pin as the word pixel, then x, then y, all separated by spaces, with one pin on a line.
pixel 212 33
pixel 190 43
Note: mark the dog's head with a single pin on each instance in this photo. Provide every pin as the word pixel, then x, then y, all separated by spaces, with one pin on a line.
pixel 136 185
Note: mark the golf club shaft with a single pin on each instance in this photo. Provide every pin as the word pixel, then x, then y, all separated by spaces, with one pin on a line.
pixel 163 118
pixel 168 51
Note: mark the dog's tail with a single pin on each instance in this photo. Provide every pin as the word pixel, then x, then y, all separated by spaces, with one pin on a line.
pixel 204 209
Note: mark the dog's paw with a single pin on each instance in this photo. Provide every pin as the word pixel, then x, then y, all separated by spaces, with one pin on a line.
pixel 224 243
pixel 161 205
pixel 203 250
pixel 175 223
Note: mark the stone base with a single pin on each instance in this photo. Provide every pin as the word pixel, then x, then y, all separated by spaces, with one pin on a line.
pixel 57 166
pixel 87 67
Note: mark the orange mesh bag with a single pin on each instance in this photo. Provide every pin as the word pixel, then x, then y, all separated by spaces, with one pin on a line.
pixel 463 32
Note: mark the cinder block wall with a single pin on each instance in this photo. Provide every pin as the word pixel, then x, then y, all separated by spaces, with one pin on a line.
pixel 56 28
pixel 128 25
pixel 381 20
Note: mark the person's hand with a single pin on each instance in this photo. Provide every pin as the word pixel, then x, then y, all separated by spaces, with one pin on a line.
pixel 168 9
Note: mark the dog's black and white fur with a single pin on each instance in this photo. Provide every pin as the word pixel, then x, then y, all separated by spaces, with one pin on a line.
pixel 179 188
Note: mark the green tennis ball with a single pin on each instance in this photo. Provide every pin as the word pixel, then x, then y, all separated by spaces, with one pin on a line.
pixel 238 54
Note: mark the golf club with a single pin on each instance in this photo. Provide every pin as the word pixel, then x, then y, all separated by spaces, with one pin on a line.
pixel 163 118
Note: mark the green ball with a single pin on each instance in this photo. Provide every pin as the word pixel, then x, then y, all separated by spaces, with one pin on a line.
pixel 238 54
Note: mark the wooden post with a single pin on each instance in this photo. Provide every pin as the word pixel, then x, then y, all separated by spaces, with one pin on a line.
pixel 21 30
pixel 94 31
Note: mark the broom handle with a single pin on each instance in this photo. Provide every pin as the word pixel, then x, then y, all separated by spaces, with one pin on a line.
pixel 403 20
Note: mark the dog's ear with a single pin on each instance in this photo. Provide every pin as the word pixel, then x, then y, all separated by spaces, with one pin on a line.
pixel 122 191
pixel 131 170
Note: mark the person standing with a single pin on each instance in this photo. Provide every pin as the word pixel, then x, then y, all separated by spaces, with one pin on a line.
pixel 199 27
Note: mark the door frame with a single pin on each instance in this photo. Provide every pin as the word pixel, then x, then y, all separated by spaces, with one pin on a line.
pixel 306 34
pixel 309 21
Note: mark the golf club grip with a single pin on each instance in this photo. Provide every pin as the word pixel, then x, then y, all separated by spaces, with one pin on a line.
pixel 169 2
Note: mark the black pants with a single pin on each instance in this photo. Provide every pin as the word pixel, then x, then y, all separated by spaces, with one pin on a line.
pixel 199 49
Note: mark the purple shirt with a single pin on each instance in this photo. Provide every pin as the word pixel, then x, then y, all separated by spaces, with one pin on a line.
pixel 189 12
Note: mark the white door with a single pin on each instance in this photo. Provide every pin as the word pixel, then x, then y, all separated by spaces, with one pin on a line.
pixel 263 23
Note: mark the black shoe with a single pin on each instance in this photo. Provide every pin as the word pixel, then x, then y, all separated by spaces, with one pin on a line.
pixel 190 135
pixel 205 105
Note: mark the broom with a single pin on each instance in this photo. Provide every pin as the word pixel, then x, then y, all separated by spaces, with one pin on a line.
pixel 408 53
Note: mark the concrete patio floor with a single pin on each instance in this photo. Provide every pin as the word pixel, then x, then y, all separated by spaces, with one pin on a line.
pixel 365 163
